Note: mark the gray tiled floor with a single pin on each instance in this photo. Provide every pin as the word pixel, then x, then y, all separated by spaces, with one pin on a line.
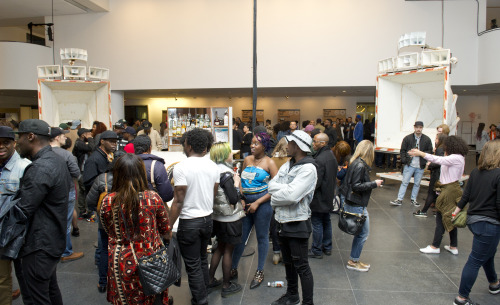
pixel 400 274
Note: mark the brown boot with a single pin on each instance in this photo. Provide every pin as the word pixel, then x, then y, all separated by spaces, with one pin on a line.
pixel 72 257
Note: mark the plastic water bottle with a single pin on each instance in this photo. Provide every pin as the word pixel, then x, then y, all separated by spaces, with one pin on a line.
pixel 276 284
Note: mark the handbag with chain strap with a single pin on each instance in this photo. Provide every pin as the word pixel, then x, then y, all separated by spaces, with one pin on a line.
pixel 157 271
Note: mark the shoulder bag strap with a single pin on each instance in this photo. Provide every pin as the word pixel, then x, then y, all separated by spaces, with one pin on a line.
pixel 152 174
pixel 106 182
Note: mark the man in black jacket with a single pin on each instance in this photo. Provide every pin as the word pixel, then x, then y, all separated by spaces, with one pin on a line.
pixel 349 132
pixel 331 132
pixel 44 191
pixel 82 149
pixel 98 161
pixel 322 202
pixel 413 166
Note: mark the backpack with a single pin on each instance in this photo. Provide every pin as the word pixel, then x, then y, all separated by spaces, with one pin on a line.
pixel 103 194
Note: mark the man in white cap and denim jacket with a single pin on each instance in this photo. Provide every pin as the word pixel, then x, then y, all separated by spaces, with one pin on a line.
pixel 292 190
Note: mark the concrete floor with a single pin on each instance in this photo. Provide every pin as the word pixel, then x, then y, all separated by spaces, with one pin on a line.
pixel 400 274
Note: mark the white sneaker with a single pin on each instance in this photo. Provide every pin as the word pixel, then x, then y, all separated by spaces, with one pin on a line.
pixel 452 251
pixel 430 250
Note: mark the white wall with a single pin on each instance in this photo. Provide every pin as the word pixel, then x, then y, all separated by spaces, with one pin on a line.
pixel 489 61
pixel 18 63
pixel 155 44
pixel 311 107
pixel 117 103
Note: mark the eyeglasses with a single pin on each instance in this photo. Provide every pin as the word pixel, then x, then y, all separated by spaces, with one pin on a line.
pixel 314 141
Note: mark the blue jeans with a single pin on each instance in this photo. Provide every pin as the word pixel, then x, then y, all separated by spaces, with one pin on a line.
pixel 409 172
pixel 261 219
pixel 359 240
pixel 484 248
pixel 71 206
pixel 322 233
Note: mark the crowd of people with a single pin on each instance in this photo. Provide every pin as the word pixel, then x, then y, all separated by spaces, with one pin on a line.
pixel 289 180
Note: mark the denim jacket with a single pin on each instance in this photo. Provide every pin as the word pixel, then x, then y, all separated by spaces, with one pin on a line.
pixel 292 190
pixel 10 176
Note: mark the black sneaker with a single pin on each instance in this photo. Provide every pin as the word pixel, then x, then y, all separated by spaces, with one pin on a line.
pixel 494 289
pixel 327 252
pixel 213 285
pixel 312 255
pixel 287 299
pixel 464 302
pixel 397 202
pixel 419 213
pixel 232 289
pixel 415 203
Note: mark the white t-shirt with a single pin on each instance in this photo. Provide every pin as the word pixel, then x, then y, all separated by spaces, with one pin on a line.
pixel 199 175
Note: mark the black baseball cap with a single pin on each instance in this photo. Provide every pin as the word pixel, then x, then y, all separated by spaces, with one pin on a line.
pixel 130 130
pixel 7 132
pixel 35 126
pixel 146 125
pixel 82 131
pixel 119 125
pixel 419 123
pixel 108 134
pixel 56 131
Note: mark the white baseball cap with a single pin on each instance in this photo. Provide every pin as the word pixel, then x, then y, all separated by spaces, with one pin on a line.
pixel 302 139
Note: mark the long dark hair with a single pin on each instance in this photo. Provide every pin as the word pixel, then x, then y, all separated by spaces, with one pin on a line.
pixel 129 179
pixel 163 128
pixel 441 137
pixel 480 129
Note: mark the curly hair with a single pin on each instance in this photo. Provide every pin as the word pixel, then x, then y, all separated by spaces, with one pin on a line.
pixel 264 139
pixel 210 139
pixel 454 145
pixel 197 139
pixel 99 128
pixel 141 144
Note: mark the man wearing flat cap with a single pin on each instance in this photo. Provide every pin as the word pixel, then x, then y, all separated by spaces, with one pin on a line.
pixel 292 190
pixel 413 166
pixel 43 197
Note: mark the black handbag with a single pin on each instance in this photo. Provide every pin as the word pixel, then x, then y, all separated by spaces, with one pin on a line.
pixel 157 271
pixel 351 223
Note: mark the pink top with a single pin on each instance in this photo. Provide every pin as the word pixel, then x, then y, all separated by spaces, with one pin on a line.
pixel 452 167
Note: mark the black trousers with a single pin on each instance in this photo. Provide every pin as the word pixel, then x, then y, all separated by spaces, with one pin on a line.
pixel 439 232
pixel 193 236
pixel 39 271
pixel 431 196
pixel 294 251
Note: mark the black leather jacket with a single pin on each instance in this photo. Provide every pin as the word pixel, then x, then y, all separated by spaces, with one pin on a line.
pixel 44 191
pixel 356 186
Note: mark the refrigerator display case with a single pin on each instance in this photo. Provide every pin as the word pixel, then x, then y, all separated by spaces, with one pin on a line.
pixel 217 120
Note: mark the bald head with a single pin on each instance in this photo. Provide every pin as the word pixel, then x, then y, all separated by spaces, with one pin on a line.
pixel 320 141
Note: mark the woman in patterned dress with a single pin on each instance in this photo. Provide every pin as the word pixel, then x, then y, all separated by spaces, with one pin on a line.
pixel 146 220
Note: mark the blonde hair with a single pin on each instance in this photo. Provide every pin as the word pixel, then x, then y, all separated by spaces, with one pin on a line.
pixel 219 152
pixel 446 129
pixel 365 151
pixel 281 148
pixel 490 156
